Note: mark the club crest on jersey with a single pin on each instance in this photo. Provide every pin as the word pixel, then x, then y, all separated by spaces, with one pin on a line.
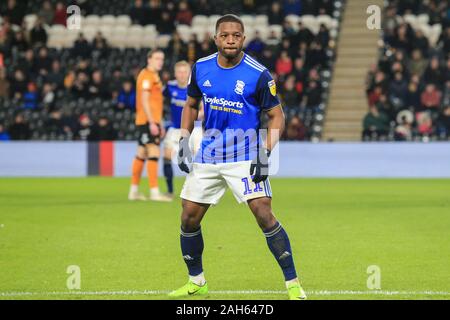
pixel 239 89
pixel 272 87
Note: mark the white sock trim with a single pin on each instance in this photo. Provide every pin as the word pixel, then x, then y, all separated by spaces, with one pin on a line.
pixel 293 281
pixel 198 279
pixel 134 188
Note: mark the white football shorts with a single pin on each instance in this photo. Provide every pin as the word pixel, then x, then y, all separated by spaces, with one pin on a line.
pixel 207 183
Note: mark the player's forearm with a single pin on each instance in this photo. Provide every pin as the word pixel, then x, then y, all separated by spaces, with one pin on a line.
pixel 275 127
pixel 146 106
pixel 189 115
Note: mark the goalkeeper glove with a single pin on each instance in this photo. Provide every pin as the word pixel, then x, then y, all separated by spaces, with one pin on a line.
pixel 184 154
pixel 259 168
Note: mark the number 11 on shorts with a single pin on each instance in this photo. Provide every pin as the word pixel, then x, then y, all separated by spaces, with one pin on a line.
pixel 247 189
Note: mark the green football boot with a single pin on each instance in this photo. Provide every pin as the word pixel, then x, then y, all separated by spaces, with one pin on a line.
pixel 189 289
pixel 296 292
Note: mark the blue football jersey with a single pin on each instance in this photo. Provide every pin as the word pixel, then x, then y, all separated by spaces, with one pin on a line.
pixel 233 99
pixel 178 97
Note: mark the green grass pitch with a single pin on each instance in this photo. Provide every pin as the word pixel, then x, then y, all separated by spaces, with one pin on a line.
pixel 130 250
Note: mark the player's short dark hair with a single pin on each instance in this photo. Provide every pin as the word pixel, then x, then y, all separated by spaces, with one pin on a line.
pixel 229 18
pixel 153 51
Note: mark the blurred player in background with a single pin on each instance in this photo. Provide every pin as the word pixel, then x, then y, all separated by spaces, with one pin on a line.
pixel 149 112
pixel 235 90
pixel 176 92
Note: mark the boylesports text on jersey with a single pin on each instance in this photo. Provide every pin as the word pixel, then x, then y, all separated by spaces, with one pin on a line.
pixel 223 102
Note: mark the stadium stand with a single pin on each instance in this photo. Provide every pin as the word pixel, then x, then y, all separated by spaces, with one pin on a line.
pixel 58 83
pixel 408 90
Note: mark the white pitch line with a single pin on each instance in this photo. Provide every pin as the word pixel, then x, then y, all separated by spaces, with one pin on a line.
pixel 226 292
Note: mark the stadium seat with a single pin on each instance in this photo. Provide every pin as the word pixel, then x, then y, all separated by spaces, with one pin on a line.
pixel 261 20
pixel 184 31
pixel 200 21
pixel 108 20
pixel 410 19
pixel 162 41
pixel 326 20
pixel 248 20
pixel 123 20
pixel 292 19
pixel 136 30
pixel 423 19
pixel 89 32
pixel 57 30
pixel 150 28
pixel 277 29
pixel 92 20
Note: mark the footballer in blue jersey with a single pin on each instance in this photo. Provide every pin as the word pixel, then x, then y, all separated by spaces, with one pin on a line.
pixel 235 90
pixel 176 94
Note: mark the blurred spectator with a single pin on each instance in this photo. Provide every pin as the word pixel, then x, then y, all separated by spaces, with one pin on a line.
pixel 19 42
pixel 433 74
pixel 167 25
pixel 54 124
pixel 375 125
pixel 256 46
pixel 292 7
pixel 444 40
pixel 84 128
pixel 417 64
pixel 283 65
pixel 55 76
pixel 323 37
pixel 48 96
pixel 313 95
pixel 403 131
pixel 4 84
pixel 100 48
pixel 31 97
pixel 291 98
pixel 43 62
pixel 398 90
pixel 102 131
pixel 18 85
pixel 295 130
pixel 20 129
pixel 81 48
pixel 420 42
pixel 138 13
pixel 413 96
pixel 303 35
pixel 98 88
pixel 155 14
pixel 424 123
pixel 115 83
pixel 127 97
pixel 27 64
pixel 47 13
pixel 4 135
pixel 80 88
pixel 60 14
pixel 275 15
pixel 14 12
pixel 315 55
pixel 431 97
pixel 184 14
pixel 444 122
pixel 38 35
pixel 268 59
pixel 384 106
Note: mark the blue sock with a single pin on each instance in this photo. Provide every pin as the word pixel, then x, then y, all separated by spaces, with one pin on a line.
pixel 278 242
pixel 192 249
pixel 168 173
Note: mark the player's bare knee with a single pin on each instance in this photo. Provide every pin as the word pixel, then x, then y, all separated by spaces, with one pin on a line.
pixel 262 210
pixel 190 217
